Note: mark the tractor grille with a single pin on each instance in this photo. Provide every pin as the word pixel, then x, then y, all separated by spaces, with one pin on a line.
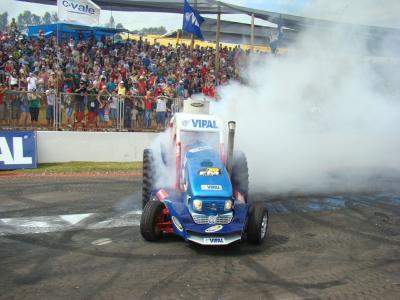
pixel 213 219
pixel 213 207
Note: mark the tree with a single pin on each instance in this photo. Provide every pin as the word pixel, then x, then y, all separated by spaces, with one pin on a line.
pixel 27 18
pixel 46 19
pixel 120 26
pixel 3 21
pixel 153 30
pixel 54 18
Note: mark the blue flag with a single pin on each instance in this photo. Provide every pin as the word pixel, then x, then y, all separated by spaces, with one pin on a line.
pixel 192 20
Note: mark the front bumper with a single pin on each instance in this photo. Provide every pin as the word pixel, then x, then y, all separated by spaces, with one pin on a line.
pixel 207 234
pixel 213 239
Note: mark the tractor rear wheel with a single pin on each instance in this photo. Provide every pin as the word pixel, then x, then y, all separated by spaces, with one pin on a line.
pixel 152 215
pixel 257 224
pixel 240 173
pixel 148 176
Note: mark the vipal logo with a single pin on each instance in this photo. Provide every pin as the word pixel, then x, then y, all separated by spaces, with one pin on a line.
pixel 204 123
pixel 78 8
pixel 16 155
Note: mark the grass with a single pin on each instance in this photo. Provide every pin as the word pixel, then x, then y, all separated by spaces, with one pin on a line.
pixel 83 167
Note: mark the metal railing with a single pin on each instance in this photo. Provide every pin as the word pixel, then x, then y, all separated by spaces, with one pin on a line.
pixel 71 111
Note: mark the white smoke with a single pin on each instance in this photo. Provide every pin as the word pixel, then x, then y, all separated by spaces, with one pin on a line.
pixel 322 118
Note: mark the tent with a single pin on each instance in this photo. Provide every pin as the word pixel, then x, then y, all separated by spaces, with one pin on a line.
pixel 65 31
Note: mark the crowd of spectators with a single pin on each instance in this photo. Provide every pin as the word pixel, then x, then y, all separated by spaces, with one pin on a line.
pixel 103 77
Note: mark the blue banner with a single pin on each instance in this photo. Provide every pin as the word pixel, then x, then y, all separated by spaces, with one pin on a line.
pixel 18 150
pixel 192 20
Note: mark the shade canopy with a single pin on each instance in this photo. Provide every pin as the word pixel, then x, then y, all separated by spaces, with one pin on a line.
pixel 65 31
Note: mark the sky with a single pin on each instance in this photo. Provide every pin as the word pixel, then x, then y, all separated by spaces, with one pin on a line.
pixel 369 12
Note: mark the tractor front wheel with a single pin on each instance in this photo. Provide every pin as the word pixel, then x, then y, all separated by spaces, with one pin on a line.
pixel 257 224
pixel 152 216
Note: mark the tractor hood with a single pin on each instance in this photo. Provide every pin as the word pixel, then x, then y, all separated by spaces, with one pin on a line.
pixel 206 174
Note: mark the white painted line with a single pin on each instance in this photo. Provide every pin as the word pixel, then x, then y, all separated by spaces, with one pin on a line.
pixel 101 242
pixel 74 219
pixel 44 224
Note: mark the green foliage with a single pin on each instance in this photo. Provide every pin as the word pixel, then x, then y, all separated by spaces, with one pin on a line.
pixel 152 30
pixel 27 18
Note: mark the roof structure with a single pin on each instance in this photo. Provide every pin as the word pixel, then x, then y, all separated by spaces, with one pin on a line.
pixel 215 7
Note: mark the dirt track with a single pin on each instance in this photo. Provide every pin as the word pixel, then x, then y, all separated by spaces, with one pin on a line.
pixel 341 247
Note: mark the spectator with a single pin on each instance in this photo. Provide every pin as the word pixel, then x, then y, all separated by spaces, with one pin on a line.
pixel 34 104
pixel 79 97
pixel 24 107
pixel 51 99
pixel 2 105
pixel 68 106
pixel 148 107
pixel 102 99
pixel 114 107
pixel 161 112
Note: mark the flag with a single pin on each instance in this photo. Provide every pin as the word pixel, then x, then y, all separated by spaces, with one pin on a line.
pixel 276 36
pixel 192 20
pixel 84 12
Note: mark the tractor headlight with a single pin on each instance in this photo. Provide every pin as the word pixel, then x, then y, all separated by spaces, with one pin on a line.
pixel 228 205
pixel 197 205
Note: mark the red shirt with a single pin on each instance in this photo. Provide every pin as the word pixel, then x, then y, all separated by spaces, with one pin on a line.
pixel 142 87
pixel 147 103
pixel 211 92
pixel 123 73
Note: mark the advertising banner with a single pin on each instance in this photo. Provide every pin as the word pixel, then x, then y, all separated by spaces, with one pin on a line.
pixel 83 12
pixel 18 150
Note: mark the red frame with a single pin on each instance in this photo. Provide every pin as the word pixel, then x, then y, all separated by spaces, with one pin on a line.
pixel 161 224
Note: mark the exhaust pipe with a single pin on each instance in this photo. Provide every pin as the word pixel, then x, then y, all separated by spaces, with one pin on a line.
pixel 231 142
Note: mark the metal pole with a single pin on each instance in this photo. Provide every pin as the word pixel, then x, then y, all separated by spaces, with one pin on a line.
pixel 231 143
pixel 177 37
pixel 192 36
pixel 217 46
pixel 252 34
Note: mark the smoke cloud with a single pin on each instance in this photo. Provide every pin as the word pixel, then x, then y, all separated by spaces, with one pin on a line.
pixel 323 118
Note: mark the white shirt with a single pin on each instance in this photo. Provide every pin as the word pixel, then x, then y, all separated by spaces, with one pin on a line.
pixel 51 99
pixel 161 104
pixel 31 83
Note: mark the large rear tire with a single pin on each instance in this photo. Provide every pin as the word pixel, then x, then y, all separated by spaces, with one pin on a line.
pixel 148 176
pixel 240 174
pixel 257 224
pixel 151 214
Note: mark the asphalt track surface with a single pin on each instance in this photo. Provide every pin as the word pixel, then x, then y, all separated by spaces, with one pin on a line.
pixel 78 238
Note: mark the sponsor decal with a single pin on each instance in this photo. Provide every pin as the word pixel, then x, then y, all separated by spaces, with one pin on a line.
pixel 210 172
pixel 204 123
pixel 211 187
pixel 17 150
pixel 197 104
pixel 212 219
pixel 177 224
pixel 162 194
pixel 77 7
pixel 214 228
pixel 214 241
pixel 198 149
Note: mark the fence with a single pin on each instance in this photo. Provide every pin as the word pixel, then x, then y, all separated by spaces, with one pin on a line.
pixel 71 111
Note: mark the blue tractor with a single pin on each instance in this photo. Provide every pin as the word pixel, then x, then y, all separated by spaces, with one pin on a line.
pixel 207 202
